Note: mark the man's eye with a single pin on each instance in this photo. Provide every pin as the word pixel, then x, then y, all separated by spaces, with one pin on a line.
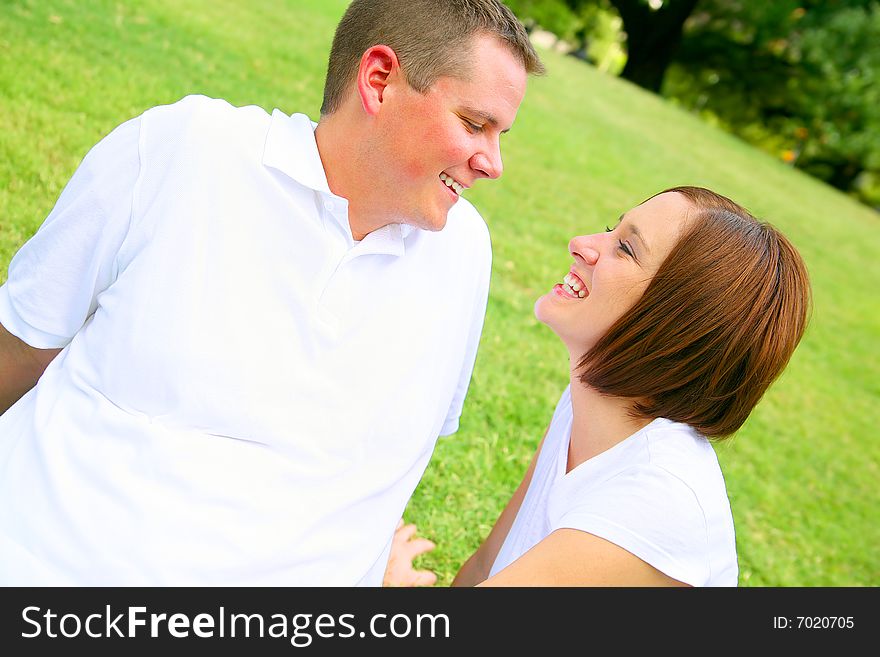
pixel 473 127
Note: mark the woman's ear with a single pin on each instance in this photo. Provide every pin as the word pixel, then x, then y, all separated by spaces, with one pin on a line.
pixel 379 65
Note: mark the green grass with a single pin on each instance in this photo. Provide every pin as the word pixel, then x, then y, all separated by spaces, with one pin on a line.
pixel 802 474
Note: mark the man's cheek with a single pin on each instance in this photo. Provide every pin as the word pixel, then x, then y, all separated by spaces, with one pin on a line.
pixel 416 169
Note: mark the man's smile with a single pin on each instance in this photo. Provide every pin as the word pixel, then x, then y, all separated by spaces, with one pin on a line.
pixel 452 183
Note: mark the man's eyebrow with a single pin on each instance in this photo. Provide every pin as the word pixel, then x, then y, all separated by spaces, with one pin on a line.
pixel 485 116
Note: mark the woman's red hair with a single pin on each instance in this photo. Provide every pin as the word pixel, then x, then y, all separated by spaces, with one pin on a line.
pixel 714 328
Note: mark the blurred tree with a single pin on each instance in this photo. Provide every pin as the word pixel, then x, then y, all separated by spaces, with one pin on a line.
pixel 551 15
pixel 837 100
pixel 590 28
pixel 798 77
pixel 653 32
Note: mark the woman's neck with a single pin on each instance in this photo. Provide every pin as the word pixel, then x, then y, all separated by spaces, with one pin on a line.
pixel 599 422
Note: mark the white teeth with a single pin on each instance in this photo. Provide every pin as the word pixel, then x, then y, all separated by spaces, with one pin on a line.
pixel 573 286
pixel 451 182
pixel 573 282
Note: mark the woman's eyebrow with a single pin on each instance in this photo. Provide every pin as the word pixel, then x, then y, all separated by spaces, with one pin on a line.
pixel 635 231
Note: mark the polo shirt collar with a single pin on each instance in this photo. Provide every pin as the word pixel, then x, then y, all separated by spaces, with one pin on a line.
pixel 387 240
pixel 291 149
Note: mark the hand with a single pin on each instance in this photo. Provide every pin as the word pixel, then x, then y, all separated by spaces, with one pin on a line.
pixel 405 548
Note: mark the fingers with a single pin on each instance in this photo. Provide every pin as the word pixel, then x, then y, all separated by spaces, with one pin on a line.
pixel 420 546
pixel 406 532
pixel 404 549
pixel 413 578
pixel 424 578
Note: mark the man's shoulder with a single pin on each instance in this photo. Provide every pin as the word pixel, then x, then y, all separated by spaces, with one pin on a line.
pixel 205 128
pixel 198 114
pixel 207 106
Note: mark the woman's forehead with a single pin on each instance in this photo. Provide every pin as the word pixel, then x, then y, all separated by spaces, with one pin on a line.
pixel 659 221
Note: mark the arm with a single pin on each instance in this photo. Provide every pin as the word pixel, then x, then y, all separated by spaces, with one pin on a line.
pixel 20 367
pixel 476 569
pixel 55 278
pixel 570 557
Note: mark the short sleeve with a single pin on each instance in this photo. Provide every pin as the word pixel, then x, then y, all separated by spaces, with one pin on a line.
pixel 56 277
pixel 650 513
pixel 475 330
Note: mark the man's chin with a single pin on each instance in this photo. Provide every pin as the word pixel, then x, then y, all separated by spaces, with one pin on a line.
pixel 433 224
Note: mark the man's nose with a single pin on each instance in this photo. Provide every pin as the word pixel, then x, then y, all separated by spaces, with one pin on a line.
pixel 584 246
pixel 488 162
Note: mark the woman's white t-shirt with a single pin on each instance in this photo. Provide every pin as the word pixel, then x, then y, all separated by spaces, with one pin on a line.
pixel 659 494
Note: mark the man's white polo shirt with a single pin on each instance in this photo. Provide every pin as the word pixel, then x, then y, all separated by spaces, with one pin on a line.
pixel 245 395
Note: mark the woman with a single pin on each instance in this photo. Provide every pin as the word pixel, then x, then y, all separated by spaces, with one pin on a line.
pixel 676 322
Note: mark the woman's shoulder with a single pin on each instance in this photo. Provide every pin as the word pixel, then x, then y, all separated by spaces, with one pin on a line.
pixel 681 451
pixel 666 463
pixel 679 458
pixel 661 498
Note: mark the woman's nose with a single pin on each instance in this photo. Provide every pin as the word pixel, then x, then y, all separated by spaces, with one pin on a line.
pixel 585 246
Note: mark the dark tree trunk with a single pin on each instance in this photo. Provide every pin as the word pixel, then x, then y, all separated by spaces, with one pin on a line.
pixel 652 37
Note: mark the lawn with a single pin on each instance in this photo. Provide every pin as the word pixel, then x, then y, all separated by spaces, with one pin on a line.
pixel 802 474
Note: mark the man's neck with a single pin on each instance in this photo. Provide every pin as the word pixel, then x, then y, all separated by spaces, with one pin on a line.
pixel 339 146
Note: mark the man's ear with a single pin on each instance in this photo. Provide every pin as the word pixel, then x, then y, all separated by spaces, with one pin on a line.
pixel 379 65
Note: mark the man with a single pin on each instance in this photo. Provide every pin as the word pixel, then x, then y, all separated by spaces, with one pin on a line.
pixel 263 325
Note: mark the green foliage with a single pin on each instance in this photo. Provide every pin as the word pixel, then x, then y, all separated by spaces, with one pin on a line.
pixel 798 77
pixel 592 29
pixel 802 473
pixel 842 140
pixel 551 15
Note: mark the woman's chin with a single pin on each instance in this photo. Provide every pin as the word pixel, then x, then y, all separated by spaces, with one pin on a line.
pixel 544 313
pixel 541 309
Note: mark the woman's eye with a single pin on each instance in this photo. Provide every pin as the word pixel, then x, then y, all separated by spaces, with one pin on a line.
pixel 623 246
pixel 608 229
